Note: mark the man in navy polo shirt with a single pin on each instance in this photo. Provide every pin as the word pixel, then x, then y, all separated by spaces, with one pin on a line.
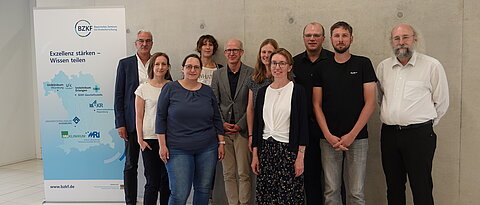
pixel 343 101
pixel 304 65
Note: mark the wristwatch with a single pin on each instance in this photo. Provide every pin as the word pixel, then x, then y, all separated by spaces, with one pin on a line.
pixel 221 142
pixel 302 150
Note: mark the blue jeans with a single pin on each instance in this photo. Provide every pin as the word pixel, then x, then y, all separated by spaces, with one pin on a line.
pixel 354 163
pixel 191 166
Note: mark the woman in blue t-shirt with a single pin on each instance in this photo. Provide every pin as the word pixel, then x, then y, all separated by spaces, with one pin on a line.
pixel 190 133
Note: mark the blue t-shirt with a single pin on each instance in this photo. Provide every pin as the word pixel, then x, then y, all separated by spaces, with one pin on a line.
pixel 189 119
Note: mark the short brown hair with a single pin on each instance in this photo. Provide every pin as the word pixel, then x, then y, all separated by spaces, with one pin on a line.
pixel 341 24
pixel 207 38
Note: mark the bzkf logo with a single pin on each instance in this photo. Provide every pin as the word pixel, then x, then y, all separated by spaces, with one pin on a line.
pixel 83 28
pixel 93 134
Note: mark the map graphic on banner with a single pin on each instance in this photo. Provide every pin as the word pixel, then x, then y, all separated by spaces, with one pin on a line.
pixel 84 128
pixel 76 61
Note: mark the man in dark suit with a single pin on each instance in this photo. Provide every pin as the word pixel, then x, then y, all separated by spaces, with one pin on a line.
pixel 230 87
pixel 131 72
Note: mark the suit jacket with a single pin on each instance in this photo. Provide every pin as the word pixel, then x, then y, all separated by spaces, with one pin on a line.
pixel 125 86
pixel 237 105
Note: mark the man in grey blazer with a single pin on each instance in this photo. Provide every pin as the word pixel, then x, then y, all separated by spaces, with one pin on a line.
pixel 230 87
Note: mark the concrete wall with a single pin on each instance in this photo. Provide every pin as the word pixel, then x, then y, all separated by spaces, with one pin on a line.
pixel 17 116
pixel 448 29
pixel 470 97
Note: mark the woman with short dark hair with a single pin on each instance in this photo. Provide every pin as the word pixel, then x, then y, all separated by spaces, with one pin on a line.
pixel 207 46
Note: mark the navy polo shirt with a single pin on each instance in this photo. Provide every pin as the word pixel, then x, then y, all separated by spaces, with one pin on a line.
pixel 303 70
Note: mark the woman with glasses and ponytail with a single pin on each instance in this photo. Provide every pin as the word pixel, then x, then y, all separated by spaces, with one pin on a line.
pixel 279 137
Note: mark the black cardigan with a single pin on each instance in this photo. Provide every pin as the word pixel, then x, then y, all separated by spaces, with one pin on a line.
pixel 298 134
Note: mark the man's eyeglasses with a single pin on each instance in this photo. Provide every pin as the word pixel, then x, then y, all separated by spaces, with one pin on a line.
pixel 309 35
pixel 281 64
pixel 397 39
pixel 144 41
pixel 235 51
pixel 190 67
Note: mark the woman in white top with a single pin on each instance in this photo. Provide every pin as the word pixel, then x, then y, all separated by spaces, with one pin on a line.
pixel 280 131
pixel 207 47
pixel 146 109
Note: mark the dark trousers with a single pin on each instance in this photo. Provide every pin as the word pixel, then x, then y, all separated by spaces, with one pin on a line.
pixel 313 167
pixel 155 175
pixel 408 152
pixel 132 150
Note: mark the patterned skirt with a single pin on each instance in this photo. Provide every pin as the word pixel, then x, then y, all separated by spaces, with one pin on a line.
pixel 276 183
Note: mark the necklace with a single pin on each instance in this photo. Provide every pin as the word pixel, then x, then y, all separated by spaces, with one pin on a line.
pixel 278 89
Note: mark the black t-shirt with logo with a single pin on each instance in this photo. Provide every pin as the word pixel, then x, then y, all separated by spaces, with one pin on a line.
pixel 342 92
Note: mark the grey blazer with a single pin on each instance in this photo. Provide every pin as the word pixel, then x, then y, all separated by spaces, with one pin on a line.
pixel 237 105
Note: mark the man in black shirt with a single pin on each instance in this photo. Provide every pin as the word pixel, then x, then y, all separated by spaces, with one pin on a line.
pixel 343 101
pixel 304 65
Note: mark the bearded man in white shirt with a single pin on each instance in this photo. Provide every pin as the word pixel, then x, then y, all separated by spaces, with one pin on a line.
pixel 413 94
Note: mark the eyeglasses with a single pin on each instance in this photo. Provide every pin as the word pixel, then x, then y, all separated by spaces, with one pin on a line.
pixel 144 41
pixel 281 64
pixel 190 67
pixel 309 35
pixel 235 51
pixel 397 39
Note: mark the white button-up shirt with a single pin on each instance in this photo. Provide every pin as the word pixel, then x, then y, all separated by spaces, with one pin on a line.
pixel 142 71
pixel 414 93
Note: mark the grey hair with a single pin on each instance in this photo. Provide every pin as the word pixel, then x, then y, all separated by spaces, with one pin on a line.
pixel 145 31
pixel 241 43
pixel 415 34
pixel 419 45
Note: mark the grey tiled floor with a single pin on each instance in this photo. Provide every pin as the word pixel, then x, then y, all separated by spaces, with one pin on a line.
pixel 22 184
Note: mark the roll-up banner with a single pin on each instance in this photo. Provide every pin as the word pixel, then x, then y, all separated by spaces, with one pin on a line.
pixel 77 51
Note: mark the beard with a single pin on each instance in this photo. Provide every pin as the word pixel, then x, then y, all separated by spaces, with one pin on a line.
pixel 403 51
pixel 343 50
